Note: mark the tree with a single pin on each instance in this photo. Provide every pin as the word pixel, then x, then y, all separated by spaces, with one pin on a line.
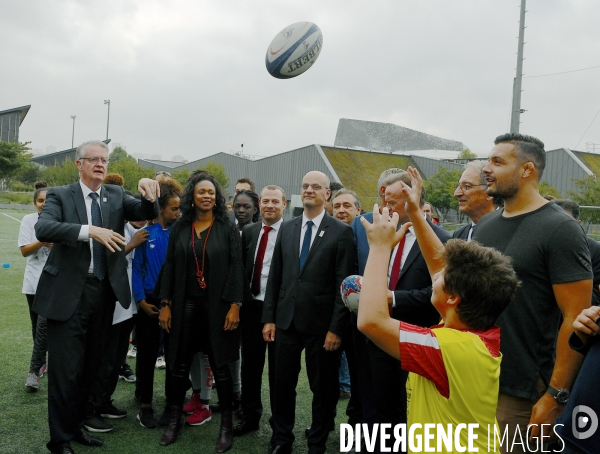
pixel 217 170
pixel 440 190
pixel 130 170
pixel 181 176
pixel 467 154
pixel 117 154
pixel 13 155
pixel 29 173
pixel 60 174
pixel 546 189
pixel 588 195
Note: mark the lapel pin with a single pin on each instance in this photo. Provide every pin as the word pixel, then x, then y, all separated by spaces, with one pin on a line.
pixel 322 233
pixel 104 199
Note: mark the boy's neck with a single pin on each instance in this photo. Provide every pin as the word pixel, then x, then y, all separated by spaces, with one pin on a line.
pixel 452 320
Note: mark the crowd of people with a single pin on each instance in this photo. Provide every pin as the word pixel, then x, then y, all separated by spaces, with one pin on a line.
pixel 224 285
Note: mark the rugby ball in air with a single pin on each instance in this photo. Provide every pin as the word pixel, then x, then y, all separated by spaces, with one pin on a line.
pixel 293 50
pixel 350 290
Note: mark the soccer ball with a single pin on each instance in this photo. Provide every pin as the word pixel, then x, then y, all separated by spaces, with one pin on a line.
pixel 350 290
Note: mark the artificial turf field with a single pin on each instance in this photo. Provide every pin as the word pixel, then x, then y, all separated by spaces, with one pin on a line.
pixel 24 414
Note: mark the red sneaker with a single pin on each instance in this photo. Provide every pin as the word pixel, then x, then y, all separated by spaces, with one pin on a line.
pixel 200 416
pixel 193 404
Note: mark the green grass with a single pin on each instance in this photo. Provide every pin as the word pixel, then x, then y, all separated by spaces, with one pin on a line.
pixel 23 198
pixel 24 415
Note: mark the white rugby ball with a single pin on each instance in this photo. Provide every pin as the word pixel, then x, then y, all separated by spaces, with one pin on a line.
pixel 294 50
pixel 350 290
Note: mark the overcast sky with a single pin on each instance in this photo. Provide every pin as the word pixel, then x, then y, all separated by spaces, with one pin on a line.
pixel 188 77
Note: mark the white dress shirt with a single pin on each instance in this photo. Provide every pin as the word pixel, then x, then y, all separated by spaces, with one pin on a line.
pixel 408 244
pixel 264 274
pixel 84 233
pixel 315 228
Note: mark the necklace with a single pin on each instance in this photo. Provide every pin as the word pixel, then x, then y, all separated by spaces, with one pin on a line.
pixel 200 272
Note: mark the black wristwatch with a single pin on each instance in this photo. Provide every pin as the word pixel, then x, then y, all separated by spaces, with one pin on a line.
pixel 560 395
pixel 164 303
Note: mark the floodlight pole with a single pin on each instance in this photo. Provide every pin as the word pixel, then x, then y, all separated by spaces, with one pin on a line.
pixel 107 101
pixel 515 118
pixel 73 135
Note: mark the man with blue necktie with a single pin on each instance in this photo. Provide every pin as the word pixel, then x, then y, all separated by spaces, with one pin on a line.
pixel 303 310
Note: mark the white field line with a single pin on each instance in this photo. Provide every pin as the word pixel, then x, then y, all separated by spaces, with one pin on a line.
pixel 11 217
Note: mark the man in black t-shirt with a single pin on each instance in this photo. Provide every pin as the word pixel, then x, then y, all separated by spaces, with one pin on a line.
pixel 552 260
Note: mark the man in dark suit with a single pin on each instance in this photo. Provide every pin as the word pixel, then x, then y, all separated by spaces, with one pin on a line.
pixel 409 297
pixel 258 244
pixel 80 283
pixel 472 198
pixel 303 310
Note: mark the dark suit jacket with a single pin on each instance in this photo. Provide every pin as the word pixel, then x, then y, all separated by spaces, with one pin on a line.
pixel 413 290
pixel 249 244
pixel 311 297
pixel 462 233
pixel 595 256
pixel 62 280
pixel 224 284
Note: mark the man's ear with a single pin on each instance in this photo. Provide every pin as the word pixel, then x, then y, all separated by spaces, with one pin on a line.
pixel 528 169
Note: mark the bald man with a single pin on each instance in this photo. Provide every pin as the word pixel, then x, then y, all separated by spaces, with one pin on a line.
pixel 303 310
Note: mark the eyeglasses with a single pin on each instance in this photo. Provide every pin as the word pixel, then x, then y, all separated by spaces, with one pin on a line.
pixel 464 187
pixel 94 160
pixel 162 172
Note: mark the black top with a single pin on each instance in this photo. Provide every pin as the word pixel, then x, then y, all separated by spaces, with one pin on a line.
pixel 192 288
pixel 547 247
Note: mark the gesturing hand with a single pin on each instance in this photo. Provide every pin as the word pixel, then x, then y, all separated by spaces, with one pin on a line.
pixel 412 193
pixel 150 189
pixel 382 232
pixel 107 237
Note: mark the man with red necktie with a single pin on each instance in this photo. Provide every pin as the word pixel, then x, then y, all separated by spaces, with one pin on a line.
pixel 258 243
pixel 409 298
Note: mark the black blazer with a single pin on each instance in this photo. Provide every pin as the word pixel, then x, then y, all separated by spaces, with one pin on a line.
pixel 413 290
pixel 462 233
pixel 224 284
pixel 62 280
pixel 310 297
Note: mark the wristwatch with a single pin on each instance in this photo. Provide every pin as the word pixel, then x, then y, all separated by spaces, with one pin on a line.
pixel 560 395
pixel 164 303
pixel 238 304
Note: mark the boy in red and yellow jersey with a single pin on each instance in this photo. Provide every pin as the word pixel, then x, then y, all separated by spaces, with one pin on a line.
pixel 455 366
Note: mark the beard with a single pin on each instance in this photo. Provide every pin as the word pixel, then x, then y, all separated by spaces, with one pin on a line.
pixel 506 190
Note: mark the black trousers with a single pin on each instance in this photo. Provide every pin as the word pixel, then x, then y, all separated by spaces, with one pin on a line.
pixel 148 334
pixel 354 409
pixel 193 338
pixel 32 315
pixel 114 353
pixel 75 349
pixel 322 368
pixel 389 386
pixel 363 369
pixel 253 361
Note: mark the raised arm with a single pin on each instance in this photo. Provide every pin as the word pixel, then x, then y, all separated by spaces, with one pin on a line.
pixel 430 244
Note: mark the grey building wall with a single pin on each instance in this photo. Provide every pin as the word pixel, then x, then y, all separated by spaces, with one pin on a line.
pixel 10 120
pixel 285 169
pixel 372 135
pixel 430 166
pixel 59 157
pixel 562 167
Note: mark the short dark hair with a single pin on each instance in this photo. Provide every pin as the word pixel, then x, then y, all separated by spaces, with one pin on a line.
pixel 255 200
pixel 168 190
pixel 528 148
pixel 570 206
pixel 247 181
pixel 347 191
pixel 188 208
pixel 482 277
pixel 334 186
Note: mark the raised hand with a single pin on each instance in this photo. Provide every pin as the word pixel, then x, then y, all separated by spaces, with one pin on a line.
pixel 150 189
pixel 412 193
pixel 382 232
